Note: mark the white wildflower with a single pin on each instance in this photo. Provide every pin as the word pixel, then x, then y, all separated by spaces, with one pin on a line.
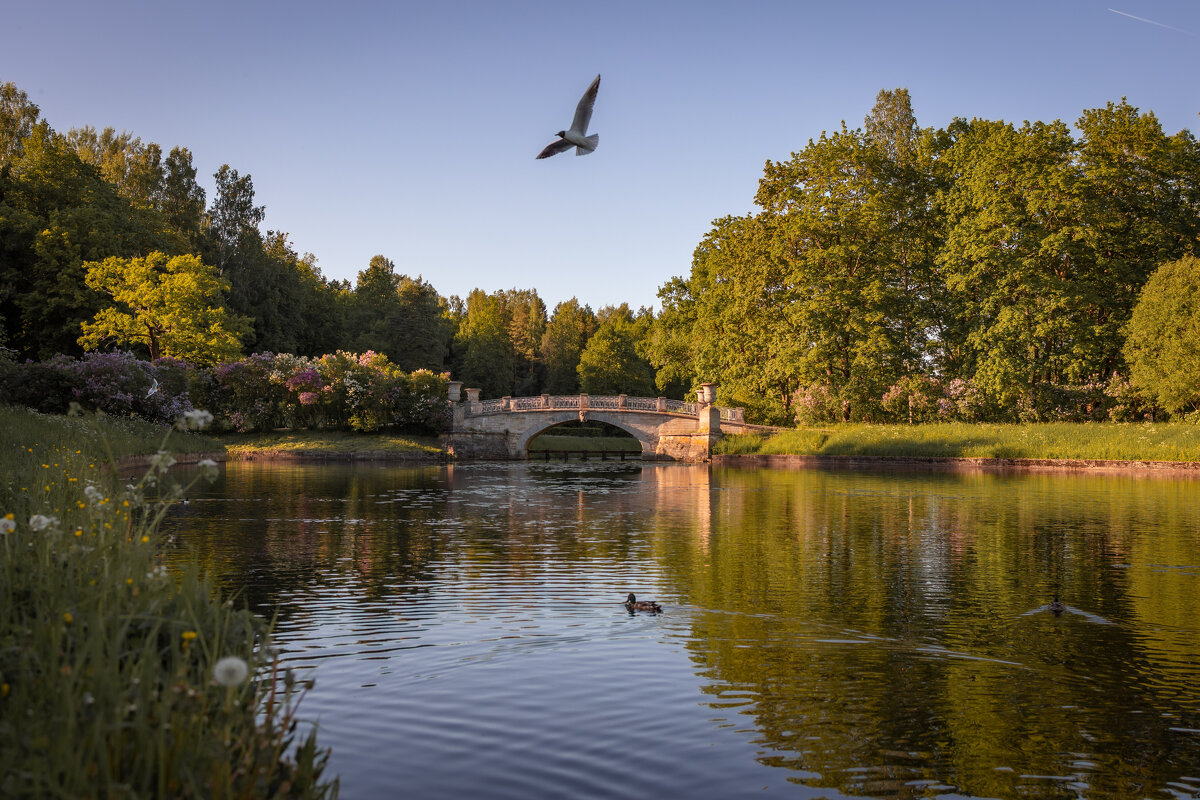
pixel 162 461
pixel 39 522
pixel 230 671
pixel 93 494
pixel 195 420
pixel 208 469
pixel 7 525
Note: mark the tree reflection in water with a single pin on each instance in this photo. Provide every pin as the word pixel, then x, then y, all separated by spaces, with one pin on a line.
pixel 875 634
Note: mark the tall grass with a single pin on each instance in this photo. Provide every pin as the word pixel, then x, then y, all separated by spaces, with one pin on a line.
pixel 1108 441
pixel 112 682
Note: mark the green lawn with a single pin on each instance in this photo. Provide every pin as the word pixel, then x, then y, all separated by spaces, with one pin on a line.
pixel 1109 441
pixel 328 444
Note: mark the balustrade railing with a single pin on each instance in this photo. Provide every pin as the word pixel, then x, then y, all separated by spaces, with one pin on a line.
pixel 573 402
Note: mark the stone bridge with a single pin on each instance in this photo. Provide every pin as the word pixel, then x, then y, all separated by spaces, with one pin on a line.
pixel 666 429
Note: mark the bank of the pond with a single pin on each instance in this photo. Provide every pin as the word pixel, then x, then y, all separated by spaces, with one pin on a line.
pixel 119 676
pixel 1095 445
pixel 330 446
pixel 951 464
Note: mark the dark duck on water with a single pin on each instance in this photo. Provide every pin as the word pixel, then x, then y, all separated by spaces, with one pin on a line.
pixel 633 604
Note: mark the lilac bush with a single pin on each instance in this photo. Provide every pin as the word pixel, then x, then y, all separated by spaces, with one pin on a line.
pixel 362 392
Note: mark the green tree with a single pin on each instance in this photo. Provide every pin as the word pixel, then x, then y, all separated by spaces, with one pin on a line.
pixel 55 213
pixel 402 317
pixel 18 118
pixel 567 333
pixel 612 362
pixel 526 328
pixel 170 306
pixel 485 346
pixel 134 168
pixel 181 199
pixel 1162 338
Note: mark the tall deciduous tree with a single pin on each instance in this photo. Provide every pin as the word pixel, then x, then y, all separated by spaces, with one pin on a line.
pixel 170 306
pixel 527 326
pixel 1162 343
pixel 402 317
pixel 134 168
pixel 486 349
pixel 567 333
pixel 181 199
pixel 18 117
pixel 612 362
pixel 55 213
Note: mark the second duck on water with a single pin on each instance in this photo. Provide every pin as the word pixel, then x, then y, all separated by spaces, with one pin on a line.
pixel 633 604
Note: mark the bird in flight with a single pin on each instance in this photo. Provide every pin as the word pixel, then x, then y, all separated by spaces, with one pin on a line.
pixel 577 135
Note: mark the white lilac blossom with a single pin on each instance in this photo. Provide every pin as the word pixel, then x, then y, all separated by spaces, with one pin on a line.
pixel 230 671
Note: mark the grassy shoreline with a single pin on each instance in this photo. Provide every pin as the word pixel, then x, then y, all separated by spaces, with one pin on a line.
pixel 1130 442
pixel 118 676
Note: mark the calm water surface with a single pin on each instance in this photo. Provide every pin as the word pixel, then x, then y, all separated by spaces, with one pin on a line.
pixel 825 634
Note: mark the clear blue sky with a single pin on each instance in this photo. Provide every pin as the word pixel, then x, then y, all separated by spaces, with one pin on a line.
pixel 410 129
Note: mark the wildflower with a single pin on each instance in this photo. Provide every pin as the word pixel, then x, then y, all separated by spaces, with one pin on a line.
pixel 67 618
pixel 187 636
pixel 194 420
pixel 208 469
pixel 162 461
pixel 93 494
pixel 38 522
pixel 7 525
pixel 230 671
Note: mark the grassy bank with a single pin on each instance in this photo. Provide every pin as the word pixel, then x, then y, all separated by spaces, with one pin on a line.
pixel 105 437
pixel 1122 442
pixel 328 444
pixel 119 678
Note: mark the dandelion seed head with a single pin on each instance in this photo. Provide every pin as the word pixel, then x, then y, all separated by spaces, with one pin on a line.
pixel 40 522
pixel 230 671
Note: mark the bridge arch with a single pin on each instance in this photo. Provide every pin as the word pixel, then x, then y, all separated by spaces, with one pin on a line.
pixel 648 441
pixel 666 429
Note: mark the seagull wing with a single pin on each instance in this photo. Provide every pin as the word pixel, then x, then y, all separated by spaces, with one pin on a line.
pixel 554 148
pixel 583 111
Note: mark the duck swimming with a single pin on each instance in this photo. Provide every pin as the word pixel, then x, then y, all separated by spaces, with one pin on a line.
pixel 1057 606
pixel 633 604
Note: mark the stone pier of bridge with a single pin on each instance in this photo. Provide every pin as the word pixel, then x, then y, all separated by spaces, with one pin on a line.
pixel 666 429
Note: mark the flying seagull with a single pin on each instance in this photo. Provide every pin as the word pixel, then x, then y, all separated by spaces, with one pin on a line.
pixel 577 136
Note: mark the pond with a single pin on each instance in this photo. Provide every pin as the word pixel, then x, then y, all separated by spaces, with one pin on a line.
pixel 824 634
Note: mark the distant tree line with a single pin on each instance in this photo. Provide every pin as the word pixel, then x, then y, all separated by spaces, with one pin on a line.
pixel 108 244
pixel 981 271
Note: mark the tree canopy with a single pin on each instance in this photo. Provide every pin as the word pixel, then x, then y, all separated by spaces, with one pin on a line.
pixel 171 306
